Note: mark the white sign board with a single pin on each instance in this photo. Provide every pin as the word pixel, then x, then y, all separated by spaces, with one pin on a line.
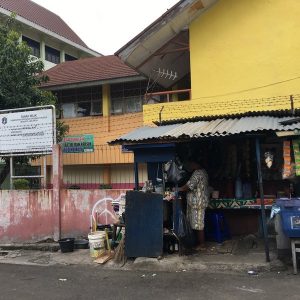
pixel 26 131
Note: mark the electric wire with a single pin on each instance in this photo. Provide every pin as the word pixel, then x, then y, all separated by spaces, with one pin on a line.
pixel 249 89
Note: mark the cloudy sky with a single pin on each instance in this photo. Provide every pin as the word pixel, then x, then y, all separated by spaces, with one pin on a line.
pixel 107 25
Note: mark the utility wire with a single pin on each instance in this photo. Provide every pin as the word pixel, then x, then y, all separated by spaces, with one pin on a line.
pixel 250 89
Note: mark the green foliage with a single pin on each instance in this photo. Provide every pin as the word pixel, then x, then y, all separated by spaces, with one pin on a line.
pixel 62 129
pixel 74 187
pixel 21 76
pixel 20 73
pixel 105 187
pixel 21 184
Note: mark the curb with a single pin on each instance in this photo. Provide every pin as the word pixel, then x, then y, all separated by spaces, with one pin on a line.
pixel 50 247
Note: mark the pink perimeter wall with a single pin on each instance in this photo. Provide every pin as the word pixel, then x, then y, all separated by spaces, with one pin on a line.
pixel 31 216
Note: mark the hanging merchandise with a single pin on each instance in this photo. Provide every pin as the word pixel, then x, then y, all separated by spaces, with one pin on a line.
pixel 174 172
pixel 296 149
pixel 269 157
pixel 287 165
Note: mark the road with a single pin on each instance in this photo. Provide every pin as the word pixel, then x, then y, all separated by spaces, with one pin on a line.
pixel 92 282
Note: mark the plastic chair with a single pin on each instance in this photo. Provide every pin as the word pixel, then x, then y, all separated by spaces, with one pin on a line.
pixel 216 227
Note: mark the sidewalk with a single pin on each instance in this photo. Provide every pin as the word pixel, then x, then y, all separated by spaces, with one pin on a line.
pixel 237 255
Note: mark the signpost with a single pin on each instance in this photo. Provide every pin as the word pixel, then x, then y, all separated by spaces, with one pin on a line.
pixel 28 131
pixel 25 132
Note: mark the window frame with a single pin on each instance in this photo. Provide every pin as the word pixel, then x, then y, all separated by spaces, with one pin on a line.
pixel 91 95
pixel 123 93
pixel 52 55
pixel 34 45
pixel 69 57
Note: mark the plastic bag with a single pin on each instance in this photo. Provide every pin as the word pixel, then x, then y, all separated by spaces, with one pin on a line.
pixel 185 232
pixel 174 172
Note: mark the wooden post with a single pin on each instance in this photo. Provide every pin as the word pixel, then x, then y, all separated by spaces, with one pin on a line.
pixel 136 176
pixel 57 185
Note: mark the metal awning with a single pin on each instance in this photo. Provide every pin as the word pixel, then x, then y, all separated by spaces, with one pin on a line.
pixel 202 129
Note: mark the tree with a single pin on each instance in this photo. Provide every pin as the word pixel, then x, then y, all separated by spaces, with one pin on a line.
pixel 21 75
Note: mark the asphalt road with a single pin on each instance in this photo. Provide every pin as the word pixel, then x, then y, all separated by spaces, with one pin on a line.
pixel 91 282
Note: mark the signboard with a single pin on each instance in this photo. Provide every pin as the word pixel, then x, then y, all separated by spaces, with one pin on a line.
pixel 295 222
pixel 78 143
pixel 28 131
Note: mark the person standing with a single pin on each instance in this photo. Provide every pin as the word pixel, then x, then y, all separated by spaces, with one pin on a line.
pixel 197 196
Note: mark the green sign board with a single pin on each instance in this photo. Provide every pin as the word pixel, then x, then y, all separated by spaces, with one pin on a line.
pixel 78 143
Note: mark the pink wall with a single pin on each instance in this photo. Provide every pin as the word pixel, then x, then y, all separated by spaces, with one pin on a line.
pixel 32 215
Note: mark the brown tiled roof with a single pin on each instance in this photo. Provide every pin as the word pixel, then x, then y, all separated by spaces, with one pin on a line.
pixel 42 17
pixel 88 70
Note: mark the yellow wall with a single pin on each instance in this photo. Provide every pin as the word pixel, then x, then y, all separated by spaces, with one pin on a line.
pixel 104 130
pixel 83 174
pixel 124 173
pixel 94 174
pixel 239 45
pixel 238 50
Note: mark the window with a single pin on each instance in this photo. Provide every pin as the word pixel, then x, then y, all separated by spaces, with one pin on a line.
pixel 96 108
pixel 69 57
pixel 52 55
pixel 68 110
pixel 81 102
pixel 33 45
pixel 84 109
pixel 127 97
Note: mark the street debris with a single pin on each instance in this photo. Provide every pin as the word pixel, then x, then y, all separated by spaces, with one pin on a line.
pixel 250 290
pixel 251 272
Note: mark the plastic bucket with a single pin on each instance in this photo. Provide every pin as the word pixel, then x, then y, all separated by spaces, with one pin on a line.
pixel 66 245
pixel 81 244
pixel 97 243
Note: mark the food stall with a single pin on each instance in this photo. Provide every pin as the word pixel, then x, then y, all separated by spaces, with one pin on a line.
pixel 248 170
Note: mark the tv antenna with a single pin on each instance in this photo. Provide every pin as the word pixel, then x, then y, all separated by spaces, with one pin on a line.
pixel 165 73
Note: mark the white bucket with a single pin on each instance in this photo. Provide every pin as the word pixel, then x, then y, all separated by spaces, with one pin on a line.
pixel 97 243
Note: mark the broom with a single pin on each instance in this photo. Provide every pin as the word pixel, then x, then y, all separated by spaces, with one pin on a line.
pixel 120 252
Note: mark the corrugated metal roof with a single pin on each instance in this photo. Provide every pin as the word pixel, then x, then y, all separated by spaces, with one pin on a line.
pixel 218 127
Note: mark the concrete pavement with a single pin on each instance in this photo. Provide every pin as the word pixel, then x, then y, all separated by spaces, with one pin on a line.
pixel 90 282
pixel 238 255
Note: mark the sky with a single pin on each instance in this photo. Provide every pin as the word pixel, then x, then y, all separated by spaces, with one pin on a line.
pixel 107 25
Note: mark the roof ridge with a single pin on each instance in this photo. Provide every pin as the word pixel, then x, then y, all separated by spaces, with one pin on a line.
pixel 59 18
pixel 43 17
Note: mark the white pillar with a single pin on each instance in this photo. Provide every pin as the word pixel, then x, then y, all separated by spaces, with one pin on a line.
pixel 42 50
pixel 62 56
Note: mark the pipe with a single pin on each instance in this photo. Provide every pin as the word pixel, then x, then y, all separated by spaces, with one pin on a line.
pixel 262 199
